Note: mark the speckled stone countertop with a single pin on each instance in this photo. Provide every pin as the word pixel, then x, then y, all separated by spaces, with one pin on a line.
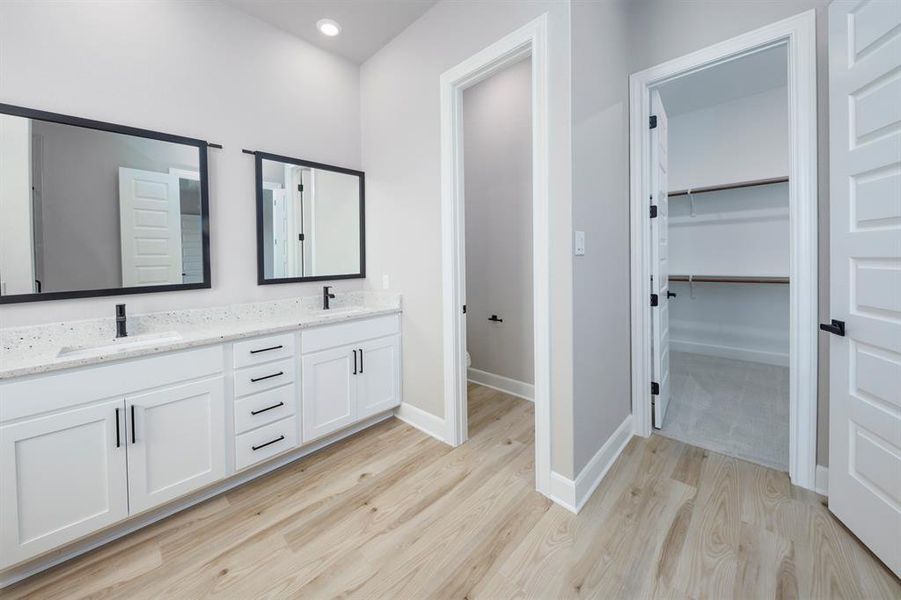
pixel 37 349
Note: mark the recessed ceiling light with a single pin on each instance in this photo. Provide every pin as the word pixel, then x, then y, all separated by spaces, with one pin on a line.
pixel 328 27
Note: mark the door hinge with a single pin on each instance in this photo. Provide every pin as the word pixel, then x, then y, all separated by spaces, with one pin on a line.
pixel 654 300
pixel 464 309
pixel 300 187
pixel 653 211
pixel 300 237
pixel 655 388
pixel 653 121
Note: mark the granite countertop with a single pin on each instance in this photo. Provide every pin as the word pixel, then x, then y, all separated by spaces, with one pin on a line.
pixel 52 347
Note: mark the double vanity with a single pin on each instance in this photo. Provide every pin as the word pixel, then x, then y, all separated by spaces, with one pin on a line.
pixel 99 436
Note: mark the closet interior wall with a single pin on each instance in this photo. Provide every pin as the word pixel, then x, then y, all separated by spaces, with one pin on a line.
pixel 741 233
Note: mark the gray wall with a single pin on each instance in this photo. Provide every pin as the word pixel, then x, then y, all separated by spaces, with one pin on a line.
pixel 669 29
pixel 497 158
pixel 80 200
pixel 601 47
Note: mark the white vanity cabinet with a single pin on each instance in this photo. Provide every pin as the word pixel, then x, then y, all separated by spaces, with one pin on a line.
pixel 62 476
pixel 83 450
pixel 175 440
pixel 349 372
pixel 65 441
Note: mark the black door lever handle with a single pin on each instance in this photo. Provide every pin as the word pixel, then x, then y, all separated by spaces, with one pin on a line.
pixel 836 328
pixel 671 294
pixel 495 318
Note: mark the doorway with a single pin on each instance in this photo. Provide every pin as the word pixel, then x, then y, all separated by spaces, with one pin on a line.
pixel 497 159
pixel 653 273
pixel 530 41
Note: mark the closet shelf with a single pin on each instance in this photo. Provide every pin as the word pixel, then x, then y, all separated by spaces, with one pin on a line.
pixel 729 186
pixel 727 279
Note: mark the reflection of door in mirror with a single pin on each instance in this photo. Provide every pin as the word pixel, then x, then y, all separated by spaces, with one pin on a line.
pixel 17 274
pixel 150 227
pixel 191 225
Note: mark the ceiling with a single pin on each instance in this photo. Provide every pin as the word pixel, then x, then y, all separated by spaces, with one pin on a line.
pixel 752 74
pixel 366 25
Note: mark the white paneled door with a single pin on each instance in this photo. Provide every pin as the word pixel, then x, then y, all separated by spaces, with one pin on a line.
pixel 150 227
pixel 865 239
pixel 660 257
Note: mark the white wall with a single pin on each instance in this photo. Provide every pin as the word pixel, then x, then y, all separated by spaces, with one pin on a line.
pixel 401 157
pixel 734 141
pixel 199 69
pixel 497 159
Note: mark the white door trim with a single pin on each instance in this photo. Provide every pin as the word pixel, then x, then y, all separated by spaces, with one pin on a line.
pixel 530 40
pixel 799 35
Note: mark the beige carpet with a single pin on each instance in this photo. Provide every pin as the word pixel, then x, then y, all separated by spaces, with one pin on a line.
pixel 735 407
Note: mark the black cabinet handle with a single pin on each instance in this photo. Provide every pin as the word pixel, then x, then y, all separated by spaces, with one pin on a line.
pixel 355 362
pixel 262 410
pixel 495 318
pixel 267 349
pixel 133 438
pixel 278 439
pixel 118 442
pixel 361 360
pixel 836 327
pixel 255 379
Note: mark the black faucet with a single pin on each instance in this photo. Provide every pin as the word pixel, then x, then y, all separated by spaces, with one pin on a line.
pixel 121 322
pixel 326 296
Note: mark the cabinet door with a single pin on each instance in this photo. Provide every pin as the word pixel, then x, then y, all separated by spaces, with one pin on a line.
pixel 63 476
pixel 378 383
pixel 329 392
pixel 176 441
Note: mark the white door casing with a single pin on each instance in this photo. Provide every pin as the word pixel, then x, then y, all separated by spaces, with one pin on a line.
pixel 865 271
pixel 660 258
pixel 176 441
pixel 149 228
pixel 63 477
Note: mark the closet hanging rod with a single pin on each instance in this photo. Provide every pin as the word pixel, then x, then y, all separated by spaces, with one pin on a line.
pixel 727 279
pixel 729 186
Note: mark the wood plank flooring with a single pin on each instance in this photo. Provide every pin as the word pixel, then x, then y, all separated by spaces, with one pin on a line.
pixel 393 513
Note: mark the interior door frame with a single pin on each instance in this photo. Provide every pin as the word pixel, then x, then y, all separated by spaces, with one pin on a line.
pixel 798 33
pixel 529 40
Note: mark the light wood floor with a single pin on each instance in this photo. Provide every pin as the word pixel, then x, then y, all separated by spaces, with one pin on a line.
pixel 393 513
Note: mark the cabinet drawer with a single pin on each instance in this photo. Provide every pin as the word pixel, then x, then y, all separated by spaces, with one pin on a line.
pixel 251 380
pixel 260 350
pixel 269 440
pixel 265 407
pixel 351 332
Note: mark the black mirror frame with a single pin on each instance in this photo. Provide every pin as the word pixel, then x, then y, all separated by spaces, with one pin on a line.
pixel 261 276
pixel 202 147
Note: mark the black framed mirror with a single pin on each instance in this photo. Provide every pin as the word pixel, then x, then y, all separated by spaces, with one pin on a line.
pixel 89 208
pixel 310 221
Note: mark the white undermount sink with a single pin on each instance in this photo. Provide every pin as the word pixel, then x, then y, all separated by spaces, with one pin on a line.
pixel 119 344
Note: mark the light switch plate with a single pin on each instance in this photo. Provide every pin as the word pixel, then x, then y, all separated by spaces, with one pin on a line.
pixel 580 243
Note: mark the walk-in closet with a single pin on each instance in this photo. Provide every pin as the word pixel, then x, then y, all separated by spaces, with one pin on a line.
pixel 728 247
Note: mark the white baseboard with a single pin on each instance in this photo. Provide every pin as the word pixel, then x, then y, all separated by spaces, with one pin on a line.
pixel 422 420
pixel 759 356
pixel 573 494
pixel 54 557
pixel 821 485
pixel 520 389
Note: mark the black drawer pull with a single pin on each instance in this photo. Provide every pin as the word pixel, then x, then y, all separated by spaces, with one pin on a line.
pixel 255 379
pixel 267 349
pixel 262 410
pixel 278 439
